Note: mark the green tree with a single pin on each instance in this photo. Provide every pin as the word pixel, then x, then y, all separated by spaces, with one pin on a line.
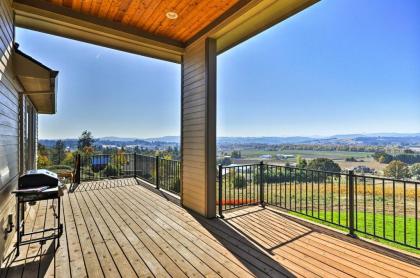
pixel 324 164
pixel 397 169
pixel 68 159
pixel 383 157
pixel 42 150
pixel 236 154
pixel 43 161
pixel 59 150
pixel 301 162
pixel 86 141
pixel 111 171
pixel 415 171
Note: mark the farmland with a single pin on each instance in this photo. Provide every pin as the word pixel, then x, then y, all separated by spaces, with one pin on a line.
pixel 363 158
pixel 308 154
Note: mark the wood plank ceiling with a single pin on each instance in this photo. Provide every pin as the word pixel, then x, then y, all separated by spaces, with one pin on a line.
pixel 150 15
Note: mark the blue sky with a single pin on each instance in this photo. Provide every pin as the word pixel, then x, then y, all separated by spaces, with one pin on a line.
pixel 349 66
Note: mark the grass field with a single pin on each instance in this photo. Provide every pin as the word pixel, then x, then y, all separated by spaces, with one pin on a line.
pixel 366 223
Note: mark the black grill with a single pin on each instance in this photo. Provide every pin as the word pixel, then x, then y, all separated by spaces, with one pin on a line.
pixel 38 178
pixel 37 185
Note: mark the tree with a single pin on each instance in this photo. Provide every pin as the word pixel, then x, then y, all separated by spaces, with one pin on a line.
pixel 59 154
pixel 351 159
pixel 68 159
pixel 301 162
pixel 86 141
pixel 43 161
pixel 415 171
pixel 238 180
pixel 42 150
pixel 324 164
pixel 383 157
pixel 43 157
pixel 236 154
pixel 397 169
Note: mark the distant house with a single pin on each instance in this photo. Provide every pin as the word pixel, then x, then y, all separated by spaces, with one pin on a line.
pixel 284 156
pixel 363 169
pixel 266 156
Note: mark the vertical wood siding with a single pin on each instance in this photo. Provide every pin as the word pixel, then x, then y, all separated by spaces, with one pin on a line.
pixel 198 122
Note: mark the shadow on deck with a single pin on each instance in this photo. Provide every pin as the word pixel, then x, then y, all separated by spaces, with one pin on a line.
pixel 121 228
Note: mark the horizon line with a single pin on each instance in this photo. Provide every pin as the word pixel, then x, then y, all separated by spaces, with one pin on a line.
pixel 248 136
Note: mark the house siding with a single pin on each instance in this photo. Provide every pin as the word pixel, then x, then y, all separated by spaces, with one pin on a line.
pixel 12 110
pixel 198 127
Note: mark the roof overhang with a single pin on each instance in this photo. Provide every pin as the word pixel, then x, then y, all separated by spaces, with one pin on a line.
pixel 38 81
pixel 241 21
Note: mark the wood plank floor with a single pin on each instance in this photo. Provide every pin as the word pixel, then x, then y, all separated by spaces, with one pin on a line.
pixel 121 229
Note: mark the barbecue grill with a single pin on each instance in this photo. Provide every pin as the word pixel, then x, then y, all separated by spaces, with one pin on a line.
pixel 33 186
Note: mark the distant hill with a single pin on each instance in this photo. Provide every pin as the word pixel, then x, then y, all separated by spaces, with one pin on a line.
pixel 169 139
pixel 377 139
pixel 264 140
pixel 114 138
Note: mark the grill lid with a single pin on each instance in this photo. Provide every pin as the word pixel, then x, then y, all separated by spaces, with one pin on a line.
pixel 37 178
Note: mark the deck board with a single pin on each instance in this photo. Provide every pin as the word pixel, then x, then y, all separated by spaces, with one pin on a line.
pixel 121 229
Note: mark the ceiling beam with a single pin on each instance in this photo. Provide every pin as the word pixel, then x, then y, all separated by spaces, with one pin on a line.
pixel 46 17
pixel 249 18
pixel 28 93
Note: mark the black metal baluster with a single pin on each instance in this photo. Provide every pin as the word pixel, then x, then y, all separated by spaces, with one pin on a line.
pixel 295 196
pixel 364 203
pixel 339 199
pixel 332 198
pixel 416 212
pixel 246 185
pixel 351 203
pixel 300 189
pixel 273 178
pixel 312 193
pixel 220 177
pixel 243 184
pixel 325 196
pixel 230 188
pixel 374 206
pixel 277 185
pixel 306 191
pixel 383 209
pixel 355 202
pixel 225 185
pixel 318 193
pixel 393 209
pixel 290 188
pixel 405 213
pixel 281 182
pixel 347 200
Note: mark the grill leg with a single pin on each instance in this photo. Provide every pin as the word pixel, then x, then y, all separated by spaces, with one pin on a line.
pixel 17 227
pixel 60 225
pixel 22 215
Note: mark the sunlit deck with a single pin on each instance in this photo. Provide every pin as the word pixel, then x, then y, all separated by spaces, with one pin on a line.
pixel 119 228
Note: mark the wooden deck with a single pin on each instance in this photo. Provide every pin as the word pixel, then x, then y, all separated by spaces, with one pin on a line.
pixel 121 229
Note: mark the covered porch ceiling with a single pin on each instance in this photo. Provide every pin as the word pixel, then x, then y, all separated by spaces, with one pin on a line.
pixel 155 28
